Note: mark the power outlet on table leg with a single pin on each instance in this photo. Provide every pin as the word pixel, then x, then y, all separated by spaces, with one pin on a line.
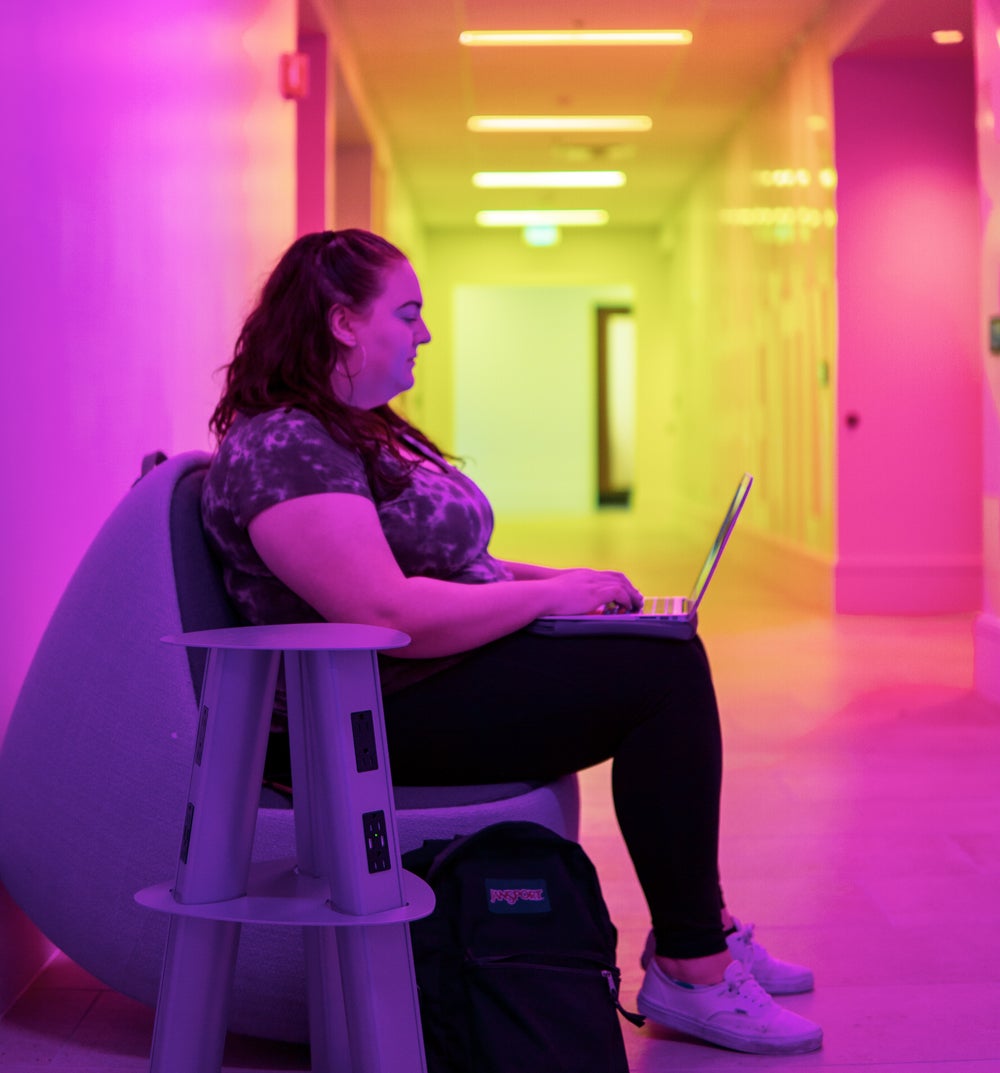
pixel 376 841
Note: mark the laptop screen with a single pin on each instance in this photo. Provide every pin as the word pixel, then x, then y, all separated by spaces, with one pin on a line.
pixel 721 538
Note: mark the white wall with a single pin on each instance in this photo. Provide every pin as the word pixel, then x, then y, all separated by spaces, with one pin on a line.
pixel 750 300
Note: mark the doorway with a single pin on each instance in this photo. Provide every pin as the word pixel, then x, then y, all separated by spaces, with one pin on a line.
pixel 616 386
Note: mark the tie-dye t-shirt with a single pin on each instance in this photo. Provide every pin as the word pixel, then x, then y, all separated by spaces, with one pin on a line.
pixel 439 527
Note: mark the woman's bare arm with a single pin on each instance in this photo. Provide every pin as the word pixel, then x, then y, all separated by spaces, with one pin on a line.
pixel 330 550
pixel 530 571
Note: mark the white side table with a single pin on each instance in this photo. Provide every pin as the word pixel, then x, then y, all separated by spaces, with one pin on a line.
pixel 345 887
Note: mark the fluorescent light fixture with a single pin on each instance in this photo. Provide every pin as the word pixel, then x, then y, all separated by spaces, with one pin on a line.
pixel 548 180
pixel 519 38
pixel 948 37
pixel 541 218
pixel 558 123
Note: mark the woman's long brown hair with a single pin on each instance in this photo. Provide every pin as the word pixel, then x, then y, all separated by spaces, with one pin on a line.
pixel 285 355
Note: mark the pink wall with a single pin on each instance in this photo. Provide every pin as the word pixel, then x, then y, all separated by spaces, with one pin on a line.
pixel 147 180
pixel 910 469
pixel 987 633
pixel 315 132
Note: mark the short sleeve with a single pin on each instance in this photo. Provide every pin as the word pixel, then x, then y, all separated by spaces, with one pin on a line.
pixel 284 455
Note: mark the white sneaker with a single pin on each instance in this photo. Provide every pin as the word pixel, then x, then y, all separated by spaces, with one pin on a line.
pixel 777 977
pixel 738 1013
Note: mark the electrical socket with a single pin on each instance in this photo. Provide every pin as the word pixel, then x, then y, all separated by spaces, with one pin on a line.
pixel 186 836
pixel 376 841
pixel 365 753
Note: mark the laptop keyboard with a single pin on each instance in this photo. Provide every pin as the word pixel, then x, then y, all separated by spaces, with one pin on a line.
pixel 664 605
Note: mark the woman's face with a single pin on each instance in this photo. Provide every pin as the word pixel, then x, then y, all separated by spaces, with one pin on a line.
pixel 381 342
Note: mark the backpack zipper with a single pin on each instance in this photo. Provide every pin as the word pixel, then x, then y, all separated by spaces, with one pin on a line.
pixel 633 1018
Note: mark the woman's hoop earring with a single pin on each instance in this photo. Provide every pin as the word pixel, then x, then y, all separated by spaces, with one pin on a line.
pixel 344 375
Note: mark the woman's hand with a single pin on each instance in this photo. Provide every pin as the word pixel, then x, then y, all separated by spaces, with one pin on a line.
pixel 582 592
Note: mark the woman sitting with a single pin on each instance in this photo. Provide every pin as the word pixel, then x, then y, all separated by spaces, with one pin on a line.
pixel 324 504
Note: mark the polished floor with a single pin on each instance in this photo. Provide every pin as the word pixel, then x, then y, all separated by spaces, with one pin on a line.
pixel 861 833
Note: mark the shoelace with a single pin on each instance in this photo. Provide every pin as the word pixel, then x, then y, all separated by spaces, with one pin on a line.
pixel 742 984
pixel 743 937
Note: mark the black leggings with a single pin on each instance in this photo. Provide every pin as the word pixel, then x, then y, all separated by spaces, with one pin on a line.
pixel 532 707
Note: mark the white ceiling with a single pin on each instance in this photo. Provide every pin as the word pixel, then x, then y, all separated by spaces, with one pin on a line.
pixel 422 85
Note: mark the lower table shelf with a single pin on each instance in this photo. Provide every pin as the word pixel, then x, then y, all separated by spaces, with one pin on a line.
pixel 277 893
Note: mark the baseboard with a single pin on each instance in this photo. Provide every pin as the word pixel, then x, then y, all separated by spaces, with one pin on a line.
pixel 986 656
pixel 802 574
pixel 878 585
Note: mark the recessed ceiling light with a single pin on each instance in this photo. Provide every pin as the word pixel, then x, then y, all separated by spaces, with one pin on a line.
pixel 519 38
pixel 552 180
pixel 557 123
pixel 948 37
pixel 541 218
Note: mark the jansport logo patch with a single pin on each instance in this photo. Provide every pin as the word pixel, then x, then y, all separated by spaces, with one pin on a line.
pixel 517 896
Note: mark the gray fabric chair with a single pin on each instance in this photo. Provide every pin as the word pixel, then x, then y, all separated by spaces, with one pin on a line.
pixel 96 763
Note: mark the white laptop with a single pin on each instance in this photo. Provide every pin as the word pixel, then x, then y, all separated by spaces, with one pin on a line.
pixel 661 616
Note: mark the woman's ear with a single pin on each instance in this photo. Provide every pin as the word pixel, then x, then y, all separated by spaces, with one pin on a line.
pixel 339 319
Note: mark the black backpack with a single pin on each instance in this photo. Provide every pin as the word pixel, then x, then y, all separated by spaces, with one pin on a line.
pixel 516 965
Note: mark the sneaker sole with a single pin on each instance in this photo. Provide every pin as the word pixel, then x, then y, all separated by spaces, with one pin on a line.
pixel 730 1040
pixel 798 985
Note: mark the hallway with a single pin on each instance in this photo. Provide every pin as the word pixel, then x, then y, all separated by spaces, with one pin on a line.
pixel 861 832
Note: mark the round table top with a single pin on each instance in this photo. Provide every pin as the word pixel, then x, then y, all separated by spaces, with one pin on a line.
pixel 294 637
